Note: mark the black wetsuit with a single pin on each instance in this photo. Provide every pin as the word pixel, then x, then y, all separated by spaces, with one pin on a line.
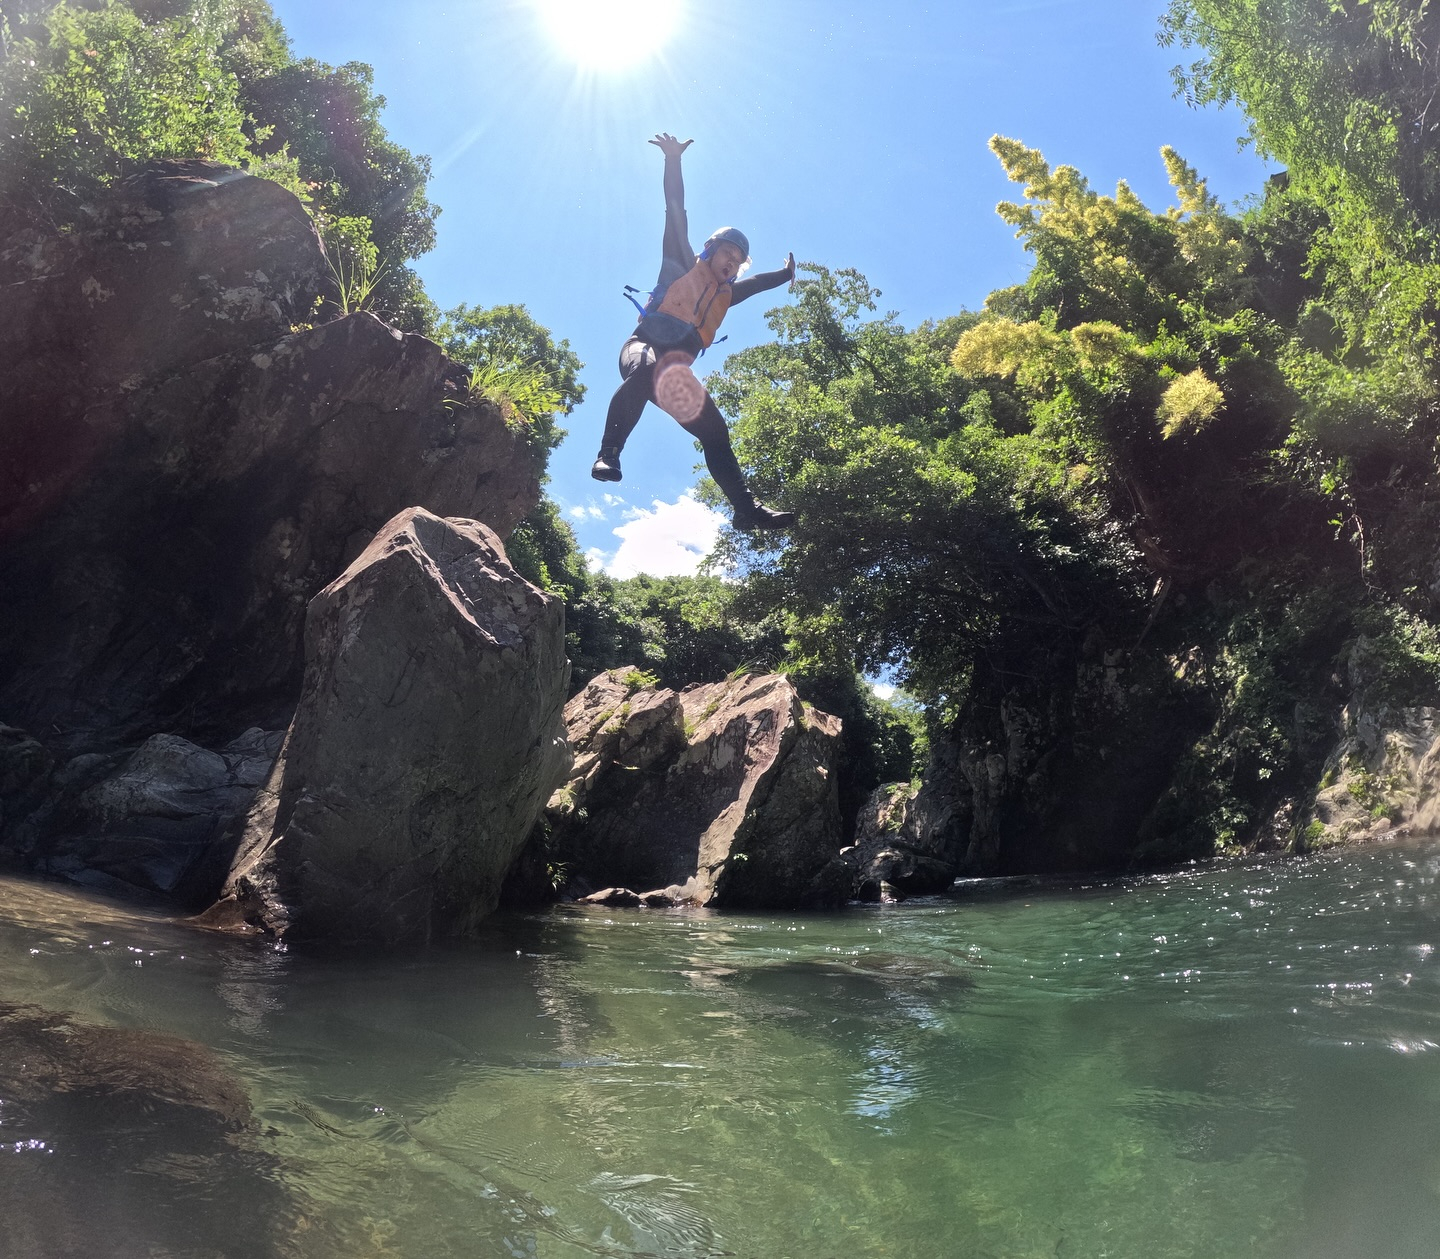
pixel 657 335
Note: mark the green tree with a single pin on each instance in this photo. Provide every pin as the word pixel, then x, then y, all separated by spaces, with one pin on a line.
pixel 86 92
pixel 90 87
pixel 1344 95
pixel 327 118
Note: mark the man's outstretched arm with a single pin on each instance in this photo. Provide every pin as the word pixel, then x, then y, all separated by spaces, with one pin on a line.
pixel 753 284
pixel 675 246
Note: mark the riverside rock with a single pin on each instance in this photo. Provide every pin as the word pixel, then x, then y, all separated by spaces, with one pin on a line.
pixel 155 822
pixel 430 733
pixel 721 795
pixel 1382 779
pixel 900 846
pixel 184 463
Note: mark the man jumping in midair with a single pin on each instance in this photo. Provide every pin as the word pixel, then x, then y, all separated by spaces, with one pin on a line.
pixel 679 321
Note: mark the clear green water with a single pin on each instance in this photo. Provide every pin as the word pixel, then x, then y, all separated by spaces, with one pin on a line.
pixel 1241 1061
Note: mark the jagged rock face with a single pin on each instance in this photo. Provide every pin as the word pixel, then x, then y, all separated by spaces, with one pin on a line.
pixel 904 843
pixel 152 820
pixel 185 261
pixel 617 721
pixel 429 735
pixel 180 471
pixel 1383 777
pixel 724 794
pixel 1064 764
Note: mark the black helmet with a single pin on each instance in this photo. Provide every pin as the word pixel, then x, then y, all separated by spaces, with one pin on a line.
pixel 729 236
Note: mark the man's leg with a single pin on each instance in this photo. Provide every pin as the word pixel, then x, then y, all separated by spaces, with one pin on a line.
pixel 637 367
pixel 713 434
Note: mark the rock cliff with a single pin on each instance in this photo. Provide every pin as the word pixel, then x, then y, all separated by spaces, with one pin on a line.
pixel 184 463
pixel 1382 779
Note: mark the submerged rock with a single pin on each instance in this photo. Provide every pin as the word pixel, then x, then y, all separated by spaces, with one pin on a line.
pixel 899 968
pixel 429 735
pixel 722 795
pixel 132 1144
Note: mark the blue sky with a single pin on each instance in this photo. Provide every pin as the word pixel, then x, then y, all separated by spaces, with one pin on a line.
pixel 853 134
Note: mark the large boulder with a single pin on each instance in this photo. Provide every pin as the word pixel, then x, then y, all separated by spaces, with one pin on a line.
pixel 721 795
pixel 429 735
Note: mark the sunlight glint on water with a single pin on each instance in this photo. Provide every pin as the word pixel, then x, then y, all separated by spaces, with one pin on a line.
pixel 1240 1061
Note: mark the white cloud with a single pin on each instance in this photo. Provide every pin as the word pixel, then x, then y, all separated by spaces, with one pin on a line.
pixel 578 512
pixel 588 511
pixel 613 500
pixel 883 690
pixel 670 540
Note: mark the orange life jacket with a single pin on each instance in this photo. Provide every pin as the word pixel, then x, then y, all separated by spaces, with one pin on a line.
pixel 699 299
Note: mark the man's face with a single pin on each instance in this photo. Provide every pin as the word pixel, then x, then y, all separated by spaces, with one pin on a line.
pixel 725 261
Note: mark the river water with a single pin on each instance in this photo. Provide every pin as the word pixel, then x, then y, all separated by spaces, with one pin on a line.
pixel 1228 1061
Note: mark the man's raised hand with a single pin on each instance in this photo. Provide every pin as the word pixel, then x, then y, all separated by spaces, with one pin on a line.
pixel 669 145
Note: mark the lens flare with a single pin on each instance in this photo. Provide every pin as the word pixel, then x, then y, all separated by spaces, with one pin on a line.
pixel 610 34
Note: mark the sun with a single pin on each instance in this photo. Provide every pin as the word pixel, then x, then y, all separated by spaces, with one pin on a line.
pixel 610 34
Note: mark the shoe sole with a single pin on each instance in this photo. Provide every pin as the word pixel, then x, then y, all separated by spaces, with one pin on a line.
pixel 605 476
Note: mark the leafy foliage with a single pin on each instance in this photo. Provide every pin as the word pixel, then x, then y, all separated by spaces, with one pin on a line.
pixel 327 118
pixel 85 92
pixel 1013 469
pixel 354 262
pixel 515 362
pixel 1344 95
pixel 90 87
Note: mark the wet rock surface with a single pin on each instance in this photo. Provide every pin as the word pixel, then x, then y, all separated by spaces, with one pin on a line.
pixel 720 795
pixel 428 737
